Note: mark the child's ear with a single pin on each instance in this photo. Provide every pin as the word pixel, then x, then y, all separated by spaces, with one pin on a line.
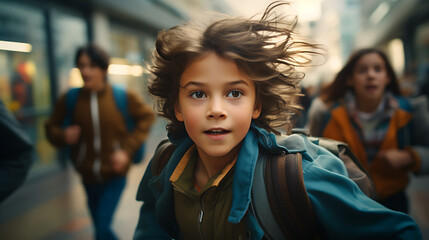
pixel 256 110
pixel 178 112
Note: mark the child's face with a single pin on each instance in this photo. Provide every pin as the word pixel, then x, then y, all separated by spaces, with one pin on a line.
pixel 216 104
pixel 92 75
pixel 369 78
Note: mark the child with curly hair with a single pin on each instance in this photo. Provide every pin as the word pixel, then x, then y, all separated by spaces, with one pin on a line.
pixel 226 88
pixel 363 107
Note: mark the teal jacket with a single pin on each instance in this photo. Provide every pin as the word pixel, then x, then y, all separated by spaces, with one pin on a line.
pixel 342 209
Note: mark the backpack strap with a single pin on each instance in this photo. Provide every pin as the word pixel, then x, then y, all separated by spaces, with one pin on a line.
pixel 260 205
pixel 288 197
pixel 281 203
pixel 121 101
pixel 161 156
pixel 71 99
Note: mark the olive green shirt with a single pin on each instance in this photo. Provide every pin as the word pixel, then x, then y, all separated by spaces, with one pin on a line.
pixel 204 214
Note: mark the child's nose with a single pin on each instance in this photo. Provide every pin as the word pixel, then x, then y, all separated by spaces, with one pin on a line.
pixel 371 72
pixel 216 109
pixel 84 71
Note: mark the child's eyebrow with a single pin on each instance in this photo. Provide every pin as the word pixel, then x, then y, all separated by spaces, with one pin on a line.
pixel 238 82
pixel 200 84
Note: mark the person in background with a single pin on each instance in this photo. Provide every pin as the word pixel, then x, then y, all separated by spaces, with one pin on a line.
pixel 363 108
pixel 16 154
pixel 299 120
pixel 101 146
pixel 226 87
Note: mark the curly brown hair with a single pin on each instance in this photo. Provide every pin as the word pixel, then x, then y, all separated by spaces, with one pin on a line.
pixel 263 48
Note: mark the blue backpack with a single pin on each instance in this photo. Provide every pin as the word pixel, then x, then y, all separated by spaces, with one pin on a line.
pixel 120 96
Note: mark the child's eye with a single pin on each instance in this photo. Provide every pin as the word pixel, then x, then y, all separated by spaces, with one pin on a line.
pixel 361 70
pixel 234 94
pixel 378 68
pixel 197 94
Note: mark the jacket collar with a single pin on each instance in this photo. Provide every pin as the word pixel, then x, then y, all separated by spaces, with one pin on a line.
pixel 255 140
pixel 104 90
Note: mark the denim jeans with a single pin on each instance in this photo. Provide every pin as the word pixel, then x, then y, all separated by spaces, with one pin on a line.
pixel 103 199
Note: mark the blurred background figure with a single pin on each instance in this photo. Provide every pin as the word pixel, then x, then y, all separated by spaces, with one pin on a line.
pixel 363 108
pixel 16 154
pixel 38 42
pixel 299 120
pixel 102 148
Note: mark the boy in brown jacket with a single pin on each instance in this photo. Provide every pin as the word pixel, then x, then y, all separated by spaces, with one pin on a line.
pixel 101 145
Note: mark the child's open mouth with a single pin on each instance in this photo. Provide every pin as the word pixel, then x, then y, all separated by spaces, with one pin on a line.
pixel 216 131
pixel 371 88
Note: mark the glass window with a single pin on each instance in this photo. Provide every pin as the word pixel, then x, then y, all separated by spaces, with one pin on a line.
pixel 69 33
pixel 24 69
pixel 24 78
pixel 129 51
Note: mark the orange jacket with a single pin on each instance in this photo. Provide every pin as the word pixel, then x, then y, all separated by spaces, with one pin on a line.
pixel 389 182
